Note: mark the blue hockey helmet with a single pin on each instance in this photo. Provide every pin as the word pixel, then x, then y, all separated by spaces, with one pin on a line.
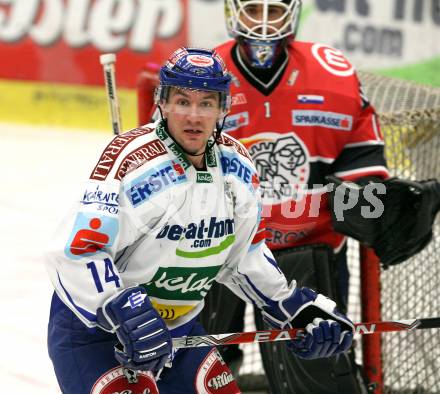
pixel 195 69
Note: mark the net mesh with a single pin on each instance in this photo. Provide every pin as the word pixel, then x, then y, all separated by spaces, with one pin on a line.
pixel 410 120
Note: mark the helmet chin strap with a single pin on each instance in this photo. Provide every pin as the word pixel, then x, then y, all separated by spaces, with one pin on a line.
pixel 260 53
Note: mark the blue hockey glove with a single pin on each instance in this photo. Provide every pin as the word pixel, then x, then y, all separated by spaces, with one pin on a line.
pixel 327 331
pixel 143 334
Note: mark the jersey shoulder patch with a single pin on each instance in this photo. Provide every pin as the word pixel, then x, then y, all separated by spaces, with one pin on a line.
pixel 324 69
pixel 235 145
pixel 126 152
pixel 332 60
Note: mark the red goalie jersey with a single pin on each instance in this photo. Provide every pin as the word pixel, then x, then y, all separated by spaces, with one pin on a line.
pixel 314 122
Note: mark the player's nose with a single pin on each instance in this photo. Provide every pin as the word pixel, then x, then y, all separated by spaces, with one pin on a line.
pixel 193 113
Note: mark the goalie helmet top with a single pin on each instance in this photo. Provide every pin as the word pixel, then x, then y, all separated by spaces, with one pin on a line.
pixel 262 27
pixel 284 23
pixel 195 69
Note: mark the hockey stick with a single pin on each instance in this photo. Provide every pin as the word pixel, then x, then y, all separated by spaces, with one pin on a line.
pixel 108 61
pixel 283 335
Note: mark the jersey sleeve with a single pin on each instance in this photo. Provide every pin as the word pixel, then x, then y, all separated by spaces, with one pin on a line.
pixel 254 275
pixel 81 256
pixel 251 271
pixel 363 154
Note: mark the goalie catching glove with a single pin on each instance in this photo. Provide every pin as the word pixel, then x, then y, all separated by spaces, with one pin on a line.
pixel 402 224
pixel 145 339
pixel 327 331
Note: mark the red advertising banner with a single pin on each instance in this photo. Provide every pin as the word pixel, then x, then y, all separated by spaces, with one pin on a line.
pixel 61 40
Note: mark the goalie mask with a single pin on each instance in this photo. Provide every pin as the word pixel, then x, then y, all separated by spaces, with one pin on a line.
pixel 262 27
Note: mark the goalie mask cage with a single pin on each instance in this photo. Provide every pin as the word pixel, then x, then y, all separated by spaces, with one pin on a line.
pixel 405 362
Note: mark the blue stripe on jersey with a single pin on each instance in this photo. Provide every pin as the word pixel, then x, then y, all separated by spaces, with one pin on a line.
pixel 273 262
pixel 88 315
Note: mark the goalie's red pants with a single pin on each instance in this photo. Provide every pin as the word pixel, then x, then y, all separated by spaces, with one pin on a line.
pixel 84 362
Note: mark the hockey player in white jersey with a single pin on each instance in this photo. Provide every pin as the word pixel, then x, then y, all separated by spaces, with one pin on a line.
pixel 169 208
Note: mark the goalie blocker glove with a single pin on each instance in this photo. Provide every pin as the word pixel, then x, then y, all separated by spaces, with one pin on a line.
pixel 327 331
pixel 403 225
pixel 145 341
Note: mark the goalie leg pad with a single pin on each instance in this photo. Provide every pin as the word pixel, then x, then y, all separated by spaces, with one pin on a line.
pixel 313 266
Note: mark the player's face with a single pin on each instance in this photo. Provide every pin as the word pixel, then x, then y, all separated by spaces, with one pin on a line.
pixel 252 16
pixel 192 116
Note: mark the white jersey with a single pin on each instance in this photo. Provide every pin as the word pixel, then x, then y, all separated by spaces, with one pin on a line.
pixel 147 217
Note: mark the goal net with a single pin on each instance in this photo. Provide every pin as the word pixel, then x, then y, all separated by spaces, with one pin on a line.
pixel 408 362
pixel 410 119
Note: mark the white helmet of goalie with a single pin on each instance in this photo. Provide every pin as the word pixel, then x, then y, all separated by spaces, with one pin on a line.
pixel 266 20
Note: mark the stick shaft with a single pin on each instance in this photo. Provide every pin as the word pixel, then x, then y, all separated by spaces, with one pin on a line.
pixel 108 64
pixel 282 335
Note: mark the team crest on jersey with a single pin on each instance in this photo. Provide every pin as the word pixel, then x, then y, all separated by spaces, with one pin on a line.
pixel 282 160
pixel 121 380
